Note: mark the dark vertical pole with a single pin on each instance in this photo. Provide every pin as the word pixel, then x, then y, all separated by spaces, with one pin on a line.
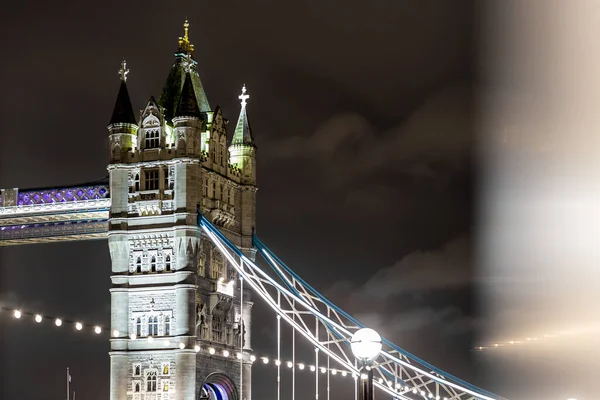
pixel 366 385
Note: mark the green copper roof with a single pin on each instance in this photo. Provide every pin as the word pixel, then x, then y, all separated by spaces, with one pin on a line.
pixel 171 92
pixel 123 112
pixel 187 105
pixel 243 133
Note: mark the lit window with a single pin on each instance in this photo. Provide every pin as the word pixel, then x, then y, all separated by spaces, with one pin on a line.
pixel 167 333
pixel 217 265
pixel 152 139
pixel 153 326
pixel 166 386
pixel 151 180
pixel 217 327
pixel 151 382
pixel 166 369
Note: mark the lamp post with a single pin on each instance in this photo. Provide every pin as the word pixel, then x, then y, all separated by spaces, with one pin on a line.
pixel 366 345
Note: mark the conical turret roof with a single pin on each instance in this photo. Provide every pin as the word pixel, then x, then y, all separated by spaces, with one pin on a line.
pixel 184 62
pixel 123 111
pixel 188 104
pixel 243 133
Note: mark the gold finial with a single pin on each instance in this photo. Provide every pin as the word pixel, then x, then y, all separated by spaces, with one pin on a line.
pixel 184 42
pixel 243 97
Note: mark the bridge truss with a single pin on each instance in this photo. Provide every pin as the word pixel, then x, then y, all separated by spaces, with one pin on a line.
pixel 329 329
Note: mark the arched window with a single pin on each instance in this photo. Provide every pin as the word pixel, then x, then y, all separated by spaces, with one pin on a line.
pixel 136 182
pixel 137 387
pixel 214 190
pixel 153 264
pixel 167 326
pixel 153 326
pixel 152 139
pixel 216 265
pixel 222 193
pixel 138 265
pixel 138 327
pixel 151 382
pixel 137 370
pixel 168 262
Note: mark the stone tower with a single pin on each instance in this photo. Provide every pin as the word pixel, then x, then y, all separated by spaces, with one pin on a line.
pixel 178 323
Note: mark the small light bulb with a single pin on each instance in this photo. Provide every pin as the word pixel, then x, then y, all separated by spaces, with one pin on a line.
pixel 252 358
pixel 380 380
pixel 344 373
pixel 132 336
pixel 196 348
pixel 98 330
pixel 38 318
pixel 116 333
pixel 79 326
pixel 225 353
pixel 301 366
pixel 364 376
pixel 290 364
pixel 265 360
pixel 57 322
pixel 278 362
pixel 17 314
pixel 323 370
pixel 211 350
pixel 181 346
pixel 313 368
pixel 239 356
pixel 333 372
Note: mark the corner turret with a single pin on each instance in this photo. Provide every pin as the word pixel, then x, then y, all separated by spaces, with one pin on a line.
pixel 242 151
pixel 122 126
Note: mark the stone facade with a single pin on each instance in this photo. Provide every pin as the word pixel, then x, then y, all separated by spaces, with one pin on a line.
pixel 174 296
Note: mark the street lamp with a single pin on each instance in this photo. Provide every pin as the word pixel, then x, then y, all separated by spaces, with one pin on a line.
pixel 366 345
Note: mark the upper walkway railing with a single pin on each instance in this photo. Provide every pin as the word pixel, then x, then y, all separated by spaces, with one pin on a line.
pixel 77 212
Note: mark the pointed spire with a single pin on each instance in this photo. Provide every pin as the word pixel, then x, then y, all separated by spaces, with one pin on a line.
pixel 187 105
pixel 243 133
pixel 123 111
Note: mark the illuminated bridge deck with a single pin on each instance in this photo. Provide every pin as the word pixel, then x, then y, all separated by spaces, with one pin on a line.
pixel 54 214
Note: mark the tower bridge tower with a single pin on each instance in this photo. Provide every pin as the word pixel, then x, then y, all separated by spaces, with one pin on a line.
pixel 172 291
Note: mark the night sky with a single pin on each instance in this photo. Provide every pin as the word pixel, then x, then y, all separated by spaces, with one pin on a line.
pixel 363 117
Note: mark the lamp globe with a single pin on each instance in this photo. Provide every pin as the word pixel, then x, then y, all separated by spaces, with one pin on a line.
pixel 365 344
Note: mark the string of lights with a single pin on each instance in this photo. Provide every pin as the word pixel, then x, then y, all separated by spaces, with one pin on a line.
pixel 535 339
pixel 100 330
